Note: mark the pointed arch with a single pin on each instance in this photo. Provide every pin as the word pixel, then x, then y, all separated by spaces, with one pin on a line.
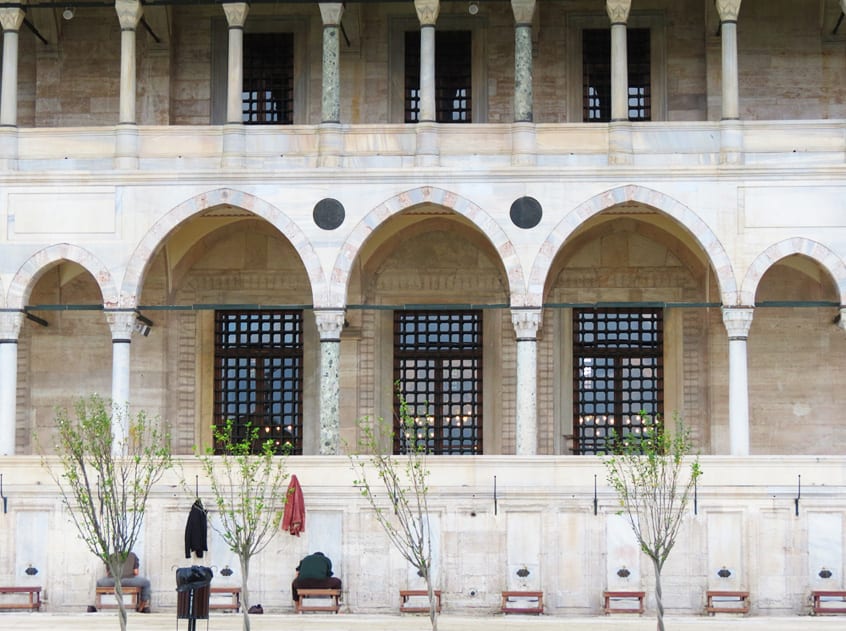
pixel 32 269
pixel 440 197
pixel 814 250
pixel 158 232
pixel 699 230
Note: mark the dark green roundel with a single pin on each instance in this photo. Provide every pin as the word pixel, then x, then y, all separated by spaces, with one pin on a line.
pixel 328 213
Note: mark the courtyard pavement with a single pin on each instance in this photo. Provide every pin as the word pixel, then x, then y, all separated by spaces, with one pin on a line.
pixel 107 621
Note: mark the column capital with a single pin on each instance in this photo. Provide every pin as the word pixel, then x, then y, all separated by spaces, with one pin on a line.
pixel 129 12
pixel 618 10
pixel 737 321
pixel 330 323
pixel 11 18
pixel 10 325
pixel 121 323
pixel 527 321
pixel 843 5
pixel 841 319
pixel 427 11
pixel 331 12
pixel 236 13
pixel 728 10
pixel 524 11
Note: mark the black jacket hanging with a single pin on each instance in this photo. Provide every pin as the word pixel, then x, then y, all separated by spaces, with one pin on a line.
pixel 195 531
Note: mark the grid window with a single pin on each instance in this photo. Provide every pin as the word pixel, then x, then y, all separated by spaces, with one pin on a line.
pixel 453 76
pixel 258 377
pixel 268 94
pixel 596 75
pixel 438 370
pixel 618 372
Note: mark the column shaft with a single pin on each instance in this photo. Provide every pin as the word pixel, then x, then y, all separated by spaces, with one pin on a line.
pixel 236 16
pixel 10 328
pixel 121 323
pixel 331 101
pixel 523 93
pixel 737 321
pixel 428 109
pixel 330 323
pixel 730 79
pixel 526 324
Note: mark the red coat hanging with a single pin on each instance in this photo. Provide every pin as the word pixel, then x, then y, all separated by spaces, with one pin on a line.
pixel 293 519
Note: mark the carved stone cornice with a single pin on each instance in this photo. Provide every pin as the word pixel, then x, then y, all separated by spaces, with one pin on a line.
pixel 737 321
pixel 331 12
pixel 236 13
pixel 427 11
pixel 524 11
pixel 728 10
pixel 129 12
pixel 11 18
pixel 618 10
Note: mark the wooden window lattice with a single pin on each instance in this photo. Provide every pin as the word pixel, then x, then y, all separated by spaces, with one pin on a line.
pixel 618 372
pixel 258 376
pixel 596 75
pixel 268 88
pixel 453 76
pixel 438 369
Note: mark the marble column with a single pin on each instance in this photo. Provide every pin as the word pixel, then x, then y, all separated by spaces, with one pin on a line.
pixel 428 148
pixel 619 133
pixel 330 323
pixel 234 143
pixel 526 323
pixel 10 329
pixel 731 134
pixel 331 139
pixel 126 141
pixel 524 143
pixel 841 321
pixel 737 321
pixel 122 324
pixel 11 19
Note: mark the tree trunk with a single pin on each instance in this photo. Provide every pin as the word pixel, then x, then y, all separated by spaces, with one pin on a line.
pixel 659 602
pixel 245 592
pixel 121 604
pixel 433 607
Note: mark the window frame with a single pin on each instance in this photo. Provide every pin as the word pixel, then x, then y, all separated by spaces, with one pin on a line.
pixel 654 21
pixel 475 353
pixel 257 23
pixel 478 63
pixel 283 351
pixel 617 354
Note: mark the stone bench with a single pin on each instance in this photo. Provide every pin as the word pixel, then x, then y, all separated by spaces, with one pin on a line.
pixel 407 594
pixel 613 598
pixel 131 596
pixel 719 601
pixel 33 602
pixel 829 595
pixel 511 598
pixel 333 595
pixel 232 604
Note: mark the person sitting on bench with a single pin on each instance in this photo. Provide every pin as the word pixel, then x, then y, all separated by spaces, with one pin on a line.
pixel 314 572
pixel 130 578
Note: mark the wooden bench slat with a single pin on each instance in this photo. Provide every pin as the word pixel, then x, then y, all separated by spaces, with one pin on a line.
pixel 507 607
pixel 131 597
pixel 406 594
pixel 740 597
pixel 33 591
pixel 333 594
pixel 234 602
pixel 820 594
pixel 624 595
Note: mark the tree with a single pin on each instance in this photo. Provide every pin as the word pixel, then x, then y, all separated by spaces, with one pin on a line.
pixel 404 478
pixel 249 495
pixel 106 494
pixel 647 471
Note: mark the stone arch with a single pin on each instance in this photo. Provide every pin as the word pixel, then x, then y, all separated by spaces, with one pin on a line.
pixel 814 250
pixel 700 231
pixel 32 269
pixel 158 232
pixel 426 194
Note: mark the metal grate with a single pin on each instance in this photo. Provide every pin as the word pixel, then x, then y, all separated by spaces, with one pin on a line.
pixel 268 93
pixel 258 378
pixel 596 75
pixel 438 370
pixel 453 76
pixel 618 372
